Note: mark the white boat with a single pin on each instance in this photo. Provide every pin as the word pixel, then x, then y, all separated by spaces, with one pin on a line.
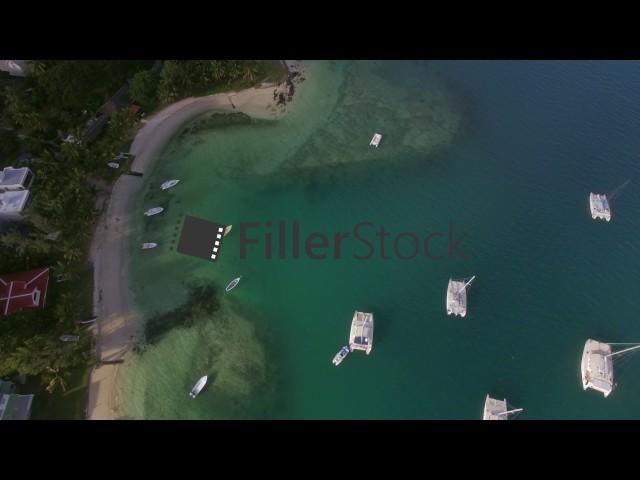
pixel 375 141
pixel 232 284
pixel 70 338
pixel 113 165
pixel 197 388
pixel 227 229
pixel 599 206
pixel 457 296
pixel 149 246
pixel 154 211
pixel 596 367
pixel 168 184
pixel 361 334
pixel 341 355
pixel 495 409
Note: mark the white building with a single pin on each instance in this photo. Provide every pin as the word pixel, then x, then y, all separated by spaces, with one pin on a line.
pixel 14 190
pixel 17 68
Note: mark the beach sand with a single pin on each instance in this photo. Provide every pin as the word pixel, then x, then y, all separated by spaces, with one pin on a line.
pixel 118 325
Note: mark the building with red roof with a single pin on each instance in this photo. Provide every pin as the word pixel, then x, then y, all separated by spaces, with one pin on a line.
pixel 23 291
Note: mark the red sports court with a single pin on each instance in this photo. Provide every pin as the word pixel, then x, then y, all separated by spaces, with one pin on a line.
pixel 23 291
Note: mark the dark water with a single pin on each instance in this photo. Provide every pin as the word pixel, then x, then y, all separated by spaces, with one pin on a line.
pixel 513 150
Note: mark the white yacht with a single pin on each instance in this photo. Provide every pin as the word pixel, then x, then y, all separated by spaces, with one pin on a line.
pixel 596 367
pixel 197 388
pixel 495 409
pixel 457 297
pixel 154 211
pixel 232 284
pixel 361 334
pixel 375 141
pixel 599 207
pixel 168 184
pixel 149 245
pixel 341 355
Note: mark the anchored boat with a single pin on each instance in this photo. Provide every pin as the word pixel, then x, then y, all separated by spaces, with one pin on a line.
pixel 457 297
pixel 361 334
pixel 341 355
pixel 227 230
pixel 197 388
pixel 375 141
pixel 149 246
pixel 599 207
pixel 596 367
pixel 495 409
pixel 232 284
pixel 168 184
pixel 154 211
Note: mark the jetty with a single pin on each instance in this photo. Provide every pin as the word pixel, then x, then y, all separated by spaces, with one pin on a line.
pixel 457 297
pixel 495 409
pixel 599 207
pixel 596 367
pixel 361 334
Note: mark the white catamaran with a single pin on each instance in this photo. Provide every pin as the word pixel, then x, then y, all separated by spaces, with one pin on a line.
pixel 168 184
pixel 375 141
pixel 457 296
pixel 596 367
pixel 197 388
pixel 495 409
pixel 154 211
pixel 361 334
pixel 599 207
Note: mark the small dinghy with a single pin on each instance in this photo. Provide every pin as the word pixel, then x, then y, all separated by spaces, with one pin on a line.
pixel 197 388
pixel 341 355
pixel 227 229
pixel 154 211
pixel 233 284
pixel 168 184
pixel 375 141
pixel 149 246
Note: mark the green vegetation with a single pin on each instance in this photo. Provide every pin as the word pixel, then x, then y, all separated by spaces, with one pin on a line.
pixel 56 99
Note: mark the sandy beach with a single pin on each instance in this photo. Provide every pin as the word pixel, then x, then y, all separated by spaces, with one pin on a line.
pixel 118 325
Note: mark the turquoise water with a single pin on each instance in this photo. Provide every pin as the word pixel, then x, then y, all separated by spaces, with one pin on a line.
pixel 507 151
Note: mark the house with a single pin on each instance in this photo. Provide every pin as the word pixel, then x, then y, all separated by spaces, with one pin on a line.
pixel 14 191
pixel 16 68
pixel 95 127
pixel 12 405
pixel 119 101
pixel 12 204
pixel 23 291
pixel 15 179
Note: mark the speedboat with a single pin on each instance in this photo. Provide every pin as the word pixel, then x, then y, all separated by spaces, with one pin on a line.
pixel 168 184
pixel 233 284
pixel 341 355
pixel 149 246
pixel 197 388
pixel 154 211
pixel 375 141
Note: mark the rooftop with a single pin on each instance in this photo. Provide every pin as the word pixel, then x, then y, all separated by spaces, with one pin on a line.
pixel 12 177
pixel 13 202
pixel 23 291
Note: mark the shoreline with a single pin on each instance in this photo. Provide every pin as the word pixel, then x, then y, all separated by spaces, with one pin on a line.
pixel 118 324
